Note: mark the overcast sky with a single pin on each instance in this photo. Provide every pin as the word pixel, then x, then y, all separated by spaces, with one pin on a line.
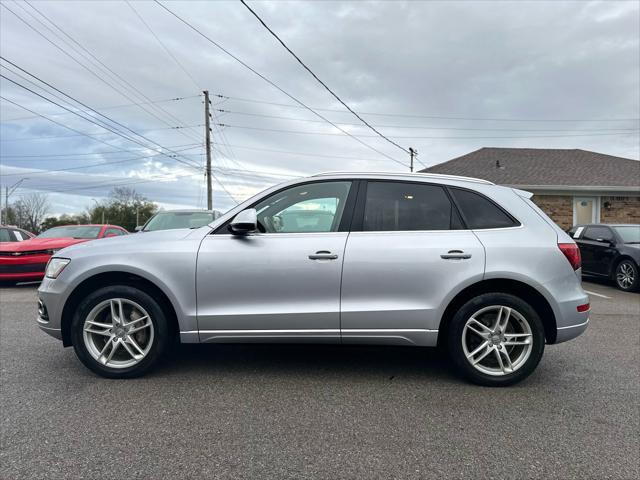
pixel 445 78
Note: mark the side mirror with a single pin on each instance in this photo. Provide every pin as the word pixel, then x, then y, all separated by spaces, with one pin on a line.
pixel 244 222
pixel 139 228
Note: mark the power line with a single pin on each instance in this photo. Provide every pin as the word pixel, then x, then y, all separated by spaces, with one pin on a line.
pixel 111 107
pixel 75 154
pixel 91 165
pixel 164 47
pixel 435 117
pixel 302 132
pixel 107 71
pixel 31 139
pixel 90 119
pixel 273 84
pixel 304 154
pixel 424 127
pixel 62 124
pixel 320 81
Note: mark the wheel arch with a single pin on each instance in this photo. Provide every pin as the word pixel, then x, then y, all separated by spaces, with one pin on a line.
pixel 502 285
pixel 106 279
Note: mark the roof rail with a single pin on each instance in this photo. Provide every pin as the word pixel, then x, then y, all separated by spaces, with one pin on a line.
pixel 424 175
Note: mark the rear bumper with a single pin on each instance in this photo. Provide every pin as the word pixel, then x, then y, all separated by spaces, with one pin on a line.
pixel 566 295
pixel 571 331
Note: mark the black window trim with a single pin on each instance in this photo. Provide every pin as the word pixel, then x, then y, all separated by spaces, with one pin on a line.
pixel 516 223
pixel 347 214
pixel 357 225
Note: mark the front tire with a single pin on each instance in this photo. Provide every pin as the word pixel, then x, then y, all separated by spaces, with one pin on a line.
pixel 626 276
pixel 119 332
pixel 496 339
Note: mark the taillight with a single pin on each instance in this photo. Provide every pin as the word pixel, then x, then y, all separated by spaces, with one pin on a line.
pixel 572 252
pixel 583 308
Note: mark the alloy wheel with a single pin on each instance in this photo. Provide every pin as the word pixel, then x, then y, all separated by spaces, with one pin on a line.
pixel 497 340
pixel 625 276
pixel 118 333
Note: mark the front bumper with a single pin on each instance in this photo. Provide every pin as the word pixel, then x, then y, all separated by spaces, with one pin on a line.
pixel 51 299
pixel 23 267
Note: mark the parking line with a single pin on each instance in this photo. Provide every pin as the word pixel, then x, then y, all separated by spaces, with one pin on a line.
pixel 597 294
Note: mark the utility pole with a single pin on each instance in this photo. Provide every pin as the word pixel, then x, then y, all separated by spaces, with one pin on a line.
pixel 412 152
pixel 207 119
pixel 8 191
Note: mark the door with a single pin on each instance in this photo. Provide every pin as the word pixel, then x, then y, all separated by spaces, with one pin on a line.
pixel 598 250
pixel 284 281
pixel 585 210
pixel 406 253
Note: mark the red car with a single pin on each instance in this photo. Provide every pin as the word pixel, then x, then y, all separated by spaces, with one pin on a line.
pixel 26 261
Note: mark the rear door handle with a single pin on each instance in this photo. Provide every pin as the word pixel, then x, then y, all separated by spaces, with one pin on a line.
pixel 455 255
pixel 323 255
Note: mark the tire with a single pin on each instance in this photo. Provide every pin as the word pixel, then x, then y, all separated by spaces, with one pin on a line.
pixel 145 332
pixel 465 337
pixel 626 276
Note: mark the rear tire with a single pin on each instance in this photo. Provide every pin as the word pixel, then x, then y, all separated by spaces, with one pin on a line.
pixel 626 276
pixel 119 332
pixel 496 339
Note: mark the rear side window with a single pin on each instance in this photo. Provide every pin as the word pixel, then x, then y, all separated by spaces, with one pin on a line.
pixel 598 234
pixel 394 206
pixel 480 212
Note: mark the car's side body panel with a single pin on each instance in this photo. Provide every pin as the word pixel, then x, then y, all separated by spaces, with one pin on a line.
pixel 247 285
pixel 169 264
pixel 393 283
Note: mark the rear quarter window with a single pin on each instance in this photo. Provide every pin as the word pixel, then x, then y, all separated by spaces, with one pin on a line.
pixel 479 212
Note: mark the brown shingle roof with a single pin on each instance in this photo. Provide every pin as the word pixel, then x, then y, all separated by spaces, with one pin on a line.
pixel 542 166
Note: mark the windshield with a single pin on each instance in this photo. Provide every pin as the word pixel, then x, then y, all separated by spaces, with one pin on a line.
pixel 629 233
pixel 73 231
pixel 172 220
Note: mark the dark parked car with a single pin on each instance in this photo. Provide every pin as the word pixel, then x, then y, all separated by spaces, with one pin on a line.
pixel 610 251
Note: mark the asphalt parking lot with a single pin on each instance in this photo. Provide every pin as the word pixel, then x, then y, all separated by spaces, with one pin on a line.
pixel 322 411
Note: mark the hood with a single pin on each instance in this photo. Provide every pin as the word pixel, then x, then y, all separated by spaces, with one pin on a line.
pixel 140 238
pixel 35 244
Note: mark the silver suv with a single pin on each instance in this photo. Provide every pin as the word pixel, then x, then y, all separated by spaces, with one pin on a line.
pixel 417 260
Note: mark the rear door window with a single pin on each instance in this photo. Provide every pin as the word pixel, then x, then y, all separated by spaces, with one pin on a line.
pixel 400 206
pixel 598 234
pixel 479 212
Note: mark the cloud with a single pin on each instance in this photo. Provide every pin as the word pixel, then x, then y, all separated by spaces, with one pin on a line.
pixel 453 69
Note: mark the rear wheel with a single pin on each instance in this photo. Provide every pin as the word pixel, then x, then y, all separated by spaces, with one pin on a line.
pixel 496 339
pixel 119 332
pixel 626 276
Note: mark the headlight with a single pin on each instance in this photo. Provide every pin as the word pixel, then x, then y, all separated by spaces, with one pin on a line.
pixel 55 267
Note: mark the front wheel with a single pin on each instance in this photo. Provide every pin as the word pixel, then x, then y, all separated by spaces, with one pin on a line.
pixel 496 339
pixel 119 332
pixel 626 276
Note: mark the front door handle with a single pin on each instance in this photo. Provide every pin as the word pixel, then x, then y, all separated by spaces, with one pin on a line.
pixel 455 255
pixel 323 255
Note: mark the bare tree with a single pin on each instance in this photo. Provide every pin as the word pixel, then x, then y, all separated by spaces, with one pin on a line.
pixel 32 208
